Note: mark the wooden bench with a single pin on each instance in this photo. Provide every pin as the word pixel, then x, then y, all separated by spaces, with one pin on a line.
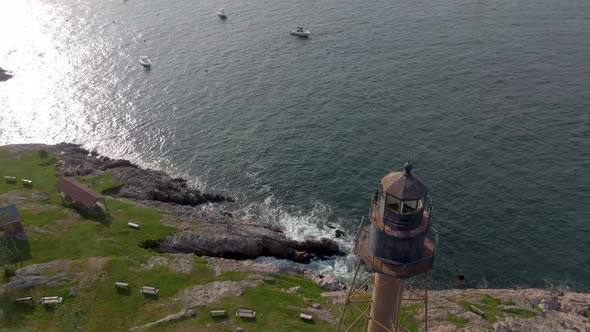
pixel 24 299
pixel 306 317
pixel 477 310
pixel 246 313
pixel 27 183
pixel 149 290
pixel 50 300
pixel 10 179
pixel 119 284
pixel 133 225
pixel 217 312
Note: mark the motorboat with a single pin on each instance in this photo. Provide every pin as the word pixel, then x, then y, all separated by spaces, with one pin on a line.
pixel 300 32
pixel 145 61
pixel 221 13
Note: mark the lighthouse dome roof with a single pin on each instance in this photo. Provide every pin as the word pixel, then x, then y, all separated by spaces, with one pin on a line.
pixel 404 185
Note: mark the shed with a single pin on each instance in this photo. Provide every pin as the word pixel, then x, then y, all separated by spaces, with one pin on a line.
pixel 72 190
pixel 10 221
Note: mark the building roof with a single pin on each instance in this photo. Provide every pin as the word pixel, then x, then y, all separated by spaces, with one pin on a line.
pixel 78 192
pixel 404 185
pixel 8 215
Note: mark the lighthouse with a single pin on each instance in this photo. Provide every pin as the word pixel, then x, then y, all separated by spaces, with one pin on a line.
pixel 396 243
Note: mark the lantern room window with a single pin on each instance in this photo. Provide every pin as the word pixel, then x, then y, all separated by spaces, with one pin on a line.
pixel 393 203
pixel 404 207
pixel 411 207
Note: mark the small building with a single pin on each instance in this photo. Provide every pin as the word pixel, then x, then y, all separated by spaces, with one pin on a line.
pixel 72 191
pixel 10 221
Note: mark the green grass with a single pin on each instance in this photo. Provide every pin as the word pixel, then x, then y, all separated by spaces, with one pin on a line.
pixel 32 167
pixel 271 304
pixel 520 312
pixel 102 249
pixel 103 183
pixel 492 310
pixel 408 318
pixel 509 302
pixel 74 237
pixel 112 307
pixel 490 301
pixel 456 320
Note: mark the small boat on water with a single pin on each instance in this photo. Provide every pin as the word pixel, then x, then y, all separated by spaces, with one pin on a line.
pixel 300 32
pixel 145 61
pixel 221 13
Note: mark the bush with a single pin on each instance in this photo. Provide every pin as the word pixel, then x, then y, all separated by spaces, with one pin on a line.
pixel 150 244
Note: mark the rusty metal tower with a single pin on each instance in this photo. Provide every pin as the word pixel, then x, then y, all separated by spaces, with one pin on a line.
pixel 395 244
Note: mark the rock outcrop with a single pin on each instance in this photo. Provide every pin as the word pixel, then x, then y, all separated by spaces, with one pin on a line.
pixel 184 313
pixel 138 183
pixel 202 295
pixel 536 310
pixel 243 240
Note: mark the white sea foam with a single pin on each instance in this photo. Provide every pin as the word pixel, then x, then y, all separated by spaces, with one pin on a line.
pixel 301 225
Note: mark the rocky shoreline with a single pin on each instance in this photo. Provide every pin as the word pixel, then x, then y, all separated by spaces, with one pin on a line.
pixel 204 229
pixel 207 227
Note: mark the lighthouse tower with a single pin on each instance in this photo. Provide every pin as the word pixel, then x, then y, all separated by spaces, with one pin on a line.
pixel 396 243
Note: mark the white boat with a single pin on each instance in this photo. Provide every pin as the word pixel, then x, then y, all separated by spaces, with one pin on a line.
pixel 221 13
pixel 145 61
pixel 300 32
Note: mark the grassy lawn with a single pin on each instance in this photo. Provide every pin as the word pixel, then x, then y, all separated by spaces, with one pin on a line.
pixel 271 303
pixel 491 307
pixel 96 251
pixel 70 236
pixel 103 183
pixel 32 167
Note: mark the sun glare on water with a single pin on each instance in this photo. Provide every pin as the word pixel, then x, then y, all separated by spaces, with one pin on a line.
pixel 44 101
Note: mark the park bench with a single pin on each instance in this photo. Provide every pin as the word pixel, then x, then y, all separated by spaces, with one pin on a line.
pixel 119 284
pixel 149 290
pixel 10 179
pixel 24 299
pixel 50 299
pixel 133 225
pixel 27 183
pixel 217 312
pixel 306 317
pixel 246 313
pixel 477 310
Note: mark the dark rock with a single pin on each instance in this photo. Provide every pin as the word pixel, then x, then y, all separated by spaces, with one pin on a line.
pixel 339 233
pixel 112 163
pixel 139 184
pixel 227 214
pixel 301 257
pixel 324 247
pixel 242 240
pixel 30 281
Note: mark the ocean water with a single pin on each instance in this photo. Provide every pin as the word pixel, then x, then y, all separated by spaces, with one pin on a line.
pixel 489 99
